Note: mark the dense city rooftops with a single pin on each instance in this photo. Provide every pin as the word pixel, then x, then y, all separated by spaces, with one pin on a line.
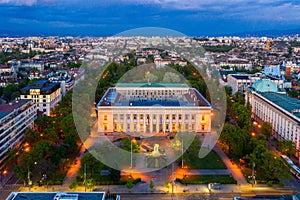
pixel 189 97
pixel 44 86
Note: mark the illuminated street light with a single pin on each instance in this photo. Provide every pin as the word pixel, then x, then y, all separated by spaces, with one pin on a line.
pixel 27 149
pixel 181 153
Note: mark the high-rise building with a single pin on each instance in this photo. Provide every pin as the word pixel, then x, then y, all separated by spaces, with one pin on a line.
pixel 15 117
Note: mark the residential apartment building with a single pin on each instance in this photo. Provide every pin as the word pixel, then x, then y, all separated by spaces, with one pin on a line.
pixel 44 93
pixel 15 117
pixel 153 108
pixel 270 105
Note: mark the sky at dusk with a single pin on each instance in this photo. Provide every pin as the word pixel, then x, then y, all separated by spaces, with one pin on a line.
pixel 103 18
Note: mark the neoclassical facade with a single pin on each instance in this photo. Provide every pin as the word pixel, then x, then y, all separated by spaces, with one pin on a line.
pixel 153 108
pixel 271 105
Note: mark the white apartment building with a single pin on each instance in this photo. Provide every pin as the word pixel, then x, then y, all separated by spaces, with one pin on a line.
pixel 270 105
pixel 15 117
pixel 153 108
pixel 44 93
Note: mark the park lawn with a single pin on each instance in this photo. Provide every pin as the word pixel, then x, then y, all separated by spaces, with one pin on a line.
pixel 205 179
pixel 211 161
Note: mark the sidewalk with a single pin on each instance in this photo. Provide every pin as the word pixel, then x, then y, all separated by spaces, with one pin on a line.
pixel 233 168
pixel 178 188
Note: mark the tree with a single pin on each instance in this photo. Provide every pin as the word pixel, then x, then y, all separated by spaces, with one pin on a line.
pixel 126 145
pixel 171 77
pixel 21 172
pixel 242 116
pixel 228 90
pixel 238 97
pixel 73 184
pixel 151 185
pixel 293 93
pixel 129 185
pixel 168 185
pixel 90 183
pixel 236 140
pixel 287 147
pixel 267 167
pixel 266 129
pixel 10 91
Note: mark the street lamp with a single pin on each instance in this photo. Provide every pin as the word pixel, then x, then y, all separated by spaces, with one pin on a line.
pixel 181 153
pixel 28 177
pixel 253 176
pixel 130 153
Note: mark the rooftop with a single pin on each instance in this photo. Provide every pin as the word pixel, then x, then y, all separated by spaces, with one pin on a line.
pixel 56 196
pixel 289 104
pixel 45 87
pixel 265 85
pixel 241 77
pixel 5 109
pixel 190 98
pixel 177 85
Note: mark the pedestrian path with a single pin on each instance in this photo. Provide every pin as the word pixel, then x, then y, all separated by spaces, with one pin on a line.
pixel 207 172
pixel 233 168
pixel 74 168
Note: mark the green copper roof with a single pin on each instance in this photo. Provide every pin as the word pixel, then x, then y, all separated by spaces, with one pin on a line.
pixel 265 85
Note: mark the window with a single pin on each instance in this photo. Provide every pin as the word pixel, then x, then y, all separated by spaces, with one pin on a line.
pixel 128 117
pixel 203 117
pixel 44 105
pixel 134 116
pixel 179 117
pixel 186 117
pixel 25 96
pixel 173 117
pixel 105 117
pixel 141 116
pixel 105 127
pixel 202 127
pixel 193 117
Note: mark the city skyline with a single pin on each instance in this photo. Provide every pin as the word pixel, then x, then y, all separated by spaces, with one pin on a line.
pixel 193 18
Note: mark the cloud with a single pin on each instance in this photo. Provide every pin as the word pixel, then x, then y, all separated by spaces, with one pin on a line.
pixel 273 10
pixel 19 2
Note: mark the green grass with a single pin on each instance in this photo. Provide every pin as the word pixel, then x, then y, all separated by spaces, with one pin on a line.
pixel 205 179
pixel 211 161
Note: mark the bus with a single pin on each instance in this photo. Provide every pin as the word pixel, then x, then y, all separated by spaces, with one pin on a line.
pixel 293 168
